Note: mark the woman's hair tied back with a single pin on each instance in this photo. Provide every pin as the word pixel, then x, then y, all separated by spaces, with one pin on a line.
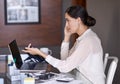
pixel 90 21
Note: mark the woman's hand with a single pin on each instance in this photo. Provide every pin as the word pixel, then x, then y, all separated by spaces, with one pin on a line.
pixel 67 31
pixel 34 51
pixel 67 34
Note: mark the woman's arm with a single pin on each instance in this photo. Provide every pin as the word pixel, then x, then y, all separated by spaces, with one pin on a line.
pixel 71 62
pixel 64 50
pixel 65 44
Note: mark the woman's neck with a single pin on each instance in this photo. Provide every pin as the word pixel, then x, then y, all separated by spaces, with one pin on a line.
pixel 82 29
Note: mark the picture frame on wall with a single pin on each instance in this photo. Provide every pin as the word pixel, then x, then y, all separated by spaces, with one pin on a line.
pixel 22 11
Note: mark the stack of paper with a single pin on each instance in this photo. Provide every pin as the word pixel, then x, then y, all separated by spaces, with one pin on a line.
pixel 29 80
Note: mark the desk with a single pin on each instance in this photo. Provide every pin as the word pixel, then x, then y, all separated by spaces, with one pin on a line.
pixel 56 82
pixel 52 80
pixel 67 78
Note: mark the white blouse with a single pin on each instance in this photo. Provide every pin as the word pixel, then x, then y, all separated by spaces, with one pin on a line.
pixel 85 58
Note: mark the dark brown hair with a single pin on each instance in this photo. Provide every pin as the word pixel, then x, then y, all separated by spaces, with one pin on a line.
pixel 79 11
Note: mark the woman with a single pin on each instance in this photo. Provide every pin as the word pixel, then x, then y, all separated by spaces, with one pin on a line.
pixel 85 58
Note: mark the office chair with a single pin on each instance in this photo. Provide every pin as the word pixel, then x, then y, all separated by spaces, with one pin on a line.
pixel 111 69
pixel 105 60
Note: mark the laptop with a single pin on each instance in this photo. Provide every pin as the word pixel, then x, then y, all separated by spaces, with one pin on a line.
pixel 14 50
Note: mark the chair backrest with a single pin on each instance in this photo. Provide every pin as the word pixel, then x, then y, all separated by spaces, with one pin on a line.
pixel 112 69
pixel 105 60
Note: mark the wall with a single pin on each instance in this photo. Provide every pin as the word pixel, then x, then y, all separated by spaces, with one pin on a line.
pixel 37 34
pixel 107 27
pixel 46 34
pixel 54 48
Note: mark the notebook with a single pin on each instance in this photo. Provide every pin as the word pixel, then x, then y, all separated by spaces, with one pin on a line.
pixel 14 50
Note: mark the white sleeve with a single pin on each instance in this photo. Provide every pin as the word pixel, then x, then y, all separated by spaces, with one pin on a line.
pixel 64 50
pixel 76 58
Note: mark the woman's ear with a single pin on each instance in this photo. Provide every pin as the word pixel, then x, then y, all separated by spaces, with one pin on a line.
pixel 79 19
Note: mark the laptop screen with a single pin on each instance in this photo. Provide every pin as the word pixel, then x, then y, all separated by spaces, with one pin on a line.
pixel 15 53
